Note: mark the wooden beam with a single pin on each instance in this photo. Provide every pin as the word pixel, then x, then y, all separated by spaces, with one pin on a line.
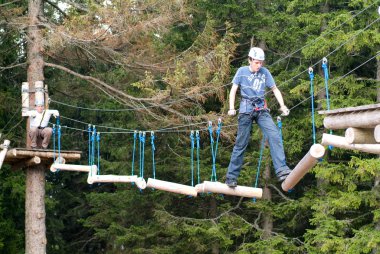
pixel 350 109
pixel 3 152
pixel 217 187
pixel 33 161
pixel 308 161
pixel 337 141
pixel 365 119
pixel 171 187
pixel 43 154
pixel 71 167
pixel 360 136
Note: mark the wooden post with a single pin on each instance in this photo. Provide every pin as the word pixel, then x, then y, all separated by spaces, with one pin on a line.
pixel 366 119
pixel 71 167
pixel 337 141
pixel 377 133
pixel 217 187
pixel 308 161
pixel 172 187
pixel 360 136
pixel 5 147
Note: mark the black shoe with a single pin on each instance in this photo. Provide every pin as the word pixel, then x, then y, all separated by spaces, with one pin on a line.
pixel 281 176
pixel 232 183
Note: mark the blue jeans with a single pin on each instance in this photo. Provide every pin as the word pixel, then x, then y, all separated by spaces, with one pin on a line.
pixel 270 130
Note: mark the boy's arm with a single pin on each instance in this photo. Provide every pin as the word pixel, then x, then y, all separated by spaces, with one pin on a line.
pixel 285 111
pixel 232 110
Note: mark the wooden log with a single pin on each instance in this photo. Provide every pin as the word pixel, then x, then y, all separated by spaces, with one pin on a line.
pixel 340 142
pixel 376 133
pixel 217 187
pixel 139 181
pixel 308 161
pixel 171 187
pixel 17 153
pixel 39 95
pixel 360 136
pixel 366 119
pixel 33 161
pixel 3 152
pixel 71 167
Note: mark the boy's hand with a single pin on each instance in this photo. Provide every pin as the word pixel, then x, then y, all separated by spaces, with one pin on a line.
pixel 285 111
pixel 231 112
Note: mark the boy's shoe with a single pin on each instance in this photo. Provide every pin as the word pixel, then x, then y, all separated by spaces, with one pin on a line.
pixel 232 183
pixel 281 176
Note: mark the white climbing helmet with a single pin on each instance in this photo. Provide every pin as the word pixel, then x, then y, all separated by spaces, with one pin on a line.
pixel 39 103
pixel 257 54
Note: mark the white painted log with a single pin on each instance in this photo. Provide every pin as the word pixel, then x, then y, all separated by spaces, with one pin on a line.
pixel 360 136
pixel 171 187
pixel 376 133
pixel 139 181
pixel 340 142
pixel 25 98
pixel 39 92
pixel 308 161
pixel 3 152
pixel 366 119
pixel 218 187
pixel 71 167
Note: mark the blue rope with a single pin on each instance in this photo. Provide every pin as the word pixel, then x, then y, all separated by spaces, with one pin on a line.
pixel 59 140
pixel 153 149
pixel 192 157
pixel 326 75
pixel 279 124
pixel 54 142
pixel 142 151
pixel 311 75
pixel 89 144
pixel 198 161
pixel 214 151
pixel 93 146
pixel 259 164
pixel 134 152
pixel 140 135
pixel 98 142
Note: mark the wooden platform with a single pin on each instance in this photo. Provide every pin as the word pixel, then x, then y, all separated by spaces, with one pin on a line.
pixel 350 109
pixel 21 157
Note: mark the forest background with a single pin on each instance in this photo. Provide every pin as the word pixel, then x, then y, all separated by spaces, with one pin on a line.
pixel 166 66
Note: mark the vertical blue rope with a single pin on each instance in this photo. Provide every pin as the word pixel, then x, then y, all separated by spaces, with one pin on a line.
pixel 198 161
pixel 279 125
pixel 93 147
pixel 89 144
pixel 98 142
pixel 153 149
pixel 59 141
pixel 326 75
pixel 212 149
pixel 142 145
pixel 311 75
pixel 192 157
pixel 134 152
pixel 259 164
pixel 54 142
pixel 140 156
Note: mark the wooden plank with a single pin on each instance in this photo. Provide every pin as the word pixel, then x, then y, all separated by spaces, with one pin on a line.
pixel 350 109
pixel 17 153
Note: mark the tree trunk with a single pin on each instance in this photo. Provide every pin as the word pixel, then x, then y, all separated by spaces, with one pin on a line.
pixel 213 213
pixel 35 228
pixel 377 179
pixel 267 223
